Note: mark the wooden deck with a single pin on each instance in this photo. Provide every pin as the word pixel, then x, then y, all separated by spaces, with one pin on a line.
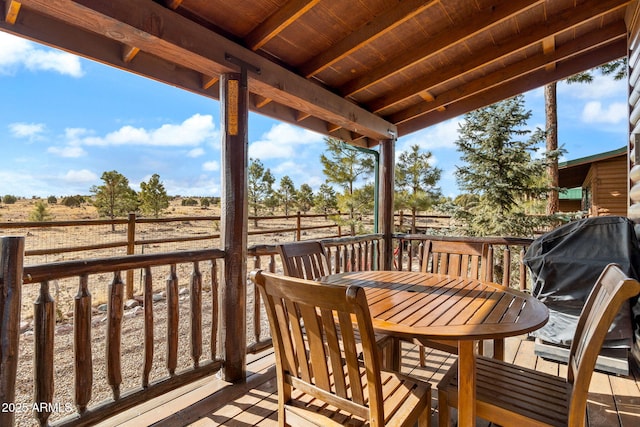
pixel 614 400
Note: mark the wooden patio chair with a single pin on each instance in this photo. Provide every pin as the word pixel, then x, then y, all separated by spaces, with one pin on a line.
pixel 305 260
pixel 320 379
pixel 512 395
pixel 463 259
pixel 308 260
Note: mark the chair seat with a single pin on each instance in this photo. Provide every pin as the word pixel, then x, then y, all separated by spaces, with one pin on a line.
pixel 404 397
pixel 511 395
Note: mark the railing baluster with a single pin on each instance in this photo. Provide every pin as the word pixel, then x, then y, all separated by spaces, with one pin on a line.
pixel 523 270
pixel 148 326
pixel 43 327
pixel 11 264
pixel 214 309
pixel 506 269
pixel 256 304
pixel 115 310
pixel 82 344
pixel 196 314
pixel 172 320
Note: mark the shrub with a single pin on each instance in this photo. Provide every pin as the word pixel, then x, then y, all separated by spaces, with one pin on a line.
pixel 52 200
pixel 9 199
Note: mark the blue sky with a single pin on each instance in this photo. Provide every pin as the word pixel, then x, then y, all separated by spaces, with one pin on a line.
pixel 65 120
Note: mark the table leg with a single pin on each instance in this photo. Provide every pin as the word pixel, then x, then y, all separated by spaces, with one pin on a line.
pixel 466 384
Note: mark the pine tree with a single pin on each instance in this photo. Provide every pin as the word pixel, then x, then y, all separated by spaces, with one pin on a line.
pixel 40 212
pixel 114 198
pixel 416 181
pixel 153 196
pixel 286 193
pixel 260 187
pixel 500 169
pixel 305 198
pixel 326 200
pixel 345 166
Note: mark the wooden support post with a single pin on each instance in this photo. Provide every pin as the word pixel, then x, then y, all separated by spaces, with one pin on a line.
pixel 385 205
pixel 11 261
pixel 234 101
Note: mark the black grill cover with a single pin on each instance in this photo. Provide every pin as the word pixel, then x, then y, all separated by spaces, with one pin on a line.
pixel 565 264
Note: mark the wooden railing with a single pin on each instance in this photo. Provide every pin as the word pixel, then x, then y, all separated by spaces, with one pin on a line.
pixel 510 272
pixel 86 271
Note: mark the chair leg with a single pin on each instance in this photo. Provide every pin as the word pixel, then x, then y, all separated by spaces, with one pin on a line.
pixel 443 409
pixel 423 361
pixel 424 420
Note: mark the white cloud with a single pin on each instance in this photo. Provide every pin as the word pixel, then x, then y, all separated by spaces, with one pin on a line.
pixel 191 132
pixel 70 151
pixel 16 52
pixel 442 135
pixel 281 141
pixel 31 131
pixel 196 152
pixel 594 112
pixel 82 176
pixel 211 166
pixel 602 87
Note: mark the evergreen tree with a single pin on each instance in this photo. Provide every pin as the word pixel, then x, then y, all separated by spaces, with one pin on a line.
pixel 345 166
pixel 40 213
pixel 114 198
pixel 286 193
pixel 260 187
pixel 153 196
pixel 417 180
pixel 500 169
pixel 305 198
pixel 326 199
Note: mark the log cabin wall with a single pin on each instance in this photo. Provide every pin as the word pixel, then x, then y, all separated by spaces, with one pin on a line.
pixel 633 158
pixel 608 180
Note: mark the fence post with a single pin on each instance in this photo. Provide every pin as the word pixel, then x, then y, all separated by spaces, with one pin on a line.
pixel 298 227
pixel 131 250
pixel 11 264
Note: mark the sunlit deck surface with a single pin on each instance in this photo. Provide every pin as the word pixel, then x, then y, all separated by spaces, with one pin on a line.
pixel 613 400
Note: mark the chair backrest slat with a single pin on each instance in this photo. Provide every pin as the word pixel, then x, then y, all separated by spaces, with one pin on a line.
pixel 458 258
pixel 306 260
pixel 612 289
pixel 312 327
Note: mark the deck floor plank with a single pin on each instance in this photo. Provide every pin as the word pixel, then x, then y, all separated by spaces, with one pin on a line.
pixel 613 400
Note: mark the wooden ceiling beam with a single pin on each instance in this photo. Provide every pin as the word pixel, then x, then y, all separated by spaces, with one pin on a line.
pixel 480 21
pixel 608 35
pixel 555 24
pixel 517 86
pixel 164 33
pixel 396 15
pixel 548 47
pixel 11 10
pixel 277 22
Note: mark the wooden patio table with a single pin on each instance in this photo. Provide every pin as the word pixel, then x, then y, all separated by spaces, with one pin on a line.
pixel 422 306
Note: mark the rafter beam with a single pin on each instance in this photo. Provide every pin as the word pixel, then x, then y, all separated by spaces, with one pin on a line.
pixel 548 47
pixel 591 9
pixel 11 10
pixel 276 23
pixel 396 15
pixel 163 33
pixel 609 35
pixel 496 14
pixel 129 52
pixel 517 86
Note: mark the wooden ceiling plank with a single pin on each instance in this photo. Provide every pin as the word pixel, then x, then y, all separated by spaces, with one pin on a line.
pixel 608 35
pixel 480 21
pixel 570 18
pixel 385 22
pixel 164 33
pixel 12 8
pixel 524 83
pixel 277 22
